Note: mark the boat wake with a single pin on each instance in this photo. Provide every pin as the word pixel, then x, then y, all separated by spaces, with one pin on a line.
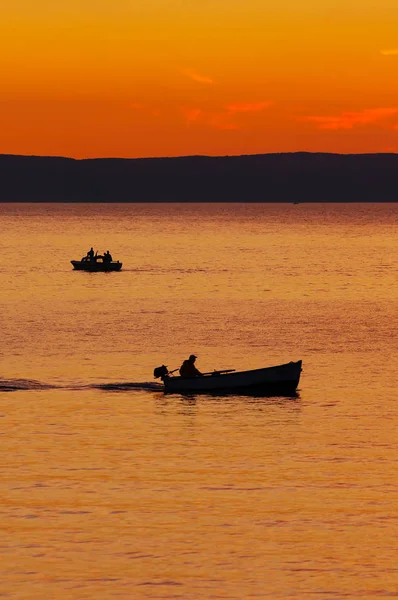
pixel 116 387
pixel 14 385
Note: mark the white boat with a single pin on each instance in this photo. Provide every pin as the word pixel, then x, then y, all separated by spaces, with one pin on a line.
pixel 281 380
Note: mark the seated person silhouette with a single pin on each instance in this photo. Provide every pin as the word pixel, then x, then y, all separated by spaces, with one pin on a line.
pixel 188 368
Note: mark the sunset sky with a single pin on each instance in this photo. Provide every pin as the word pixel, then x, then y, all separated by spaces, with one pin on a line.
pixel 134 78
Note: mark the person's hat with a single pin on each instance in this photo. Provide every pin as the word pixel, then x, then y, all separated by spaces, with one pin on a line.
pixel 192 356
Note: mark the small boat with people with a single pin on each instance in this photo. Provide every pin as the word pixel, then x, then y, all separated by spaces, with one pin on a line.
pixel 97 262
pixel 279 380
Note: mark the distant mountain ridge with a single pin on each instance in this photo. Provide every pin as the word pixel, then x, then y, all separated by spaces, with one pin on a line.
pixel 285 177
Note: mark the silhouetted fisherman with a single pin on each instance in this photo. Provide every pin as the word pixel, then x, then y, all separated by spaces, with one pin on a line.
pixel 107 257
pixel 188 368
pixel 90 254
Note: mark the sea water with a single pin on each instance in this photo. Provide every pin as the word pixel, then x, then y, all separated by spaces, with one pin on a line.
pixel 110 489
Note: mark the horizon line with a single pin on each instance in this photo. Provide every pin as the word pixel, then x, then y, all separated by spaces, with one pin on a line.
pixel 211 156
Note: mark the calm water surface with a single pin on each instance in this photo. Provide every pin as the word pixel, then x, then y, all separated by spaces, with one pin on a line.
pixel 125 493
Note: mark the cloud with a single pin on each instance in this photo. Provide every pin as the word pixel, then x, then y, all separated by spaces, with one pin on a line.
pixel 249 107
pixel 348 120
pixel 223 118
pixel 390 52
pixel 196 76
pixel 191 114
pixel 209 118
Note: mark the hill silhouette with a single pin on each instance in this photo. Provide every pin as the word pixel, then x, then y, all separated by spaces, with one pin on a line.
pixel 287 177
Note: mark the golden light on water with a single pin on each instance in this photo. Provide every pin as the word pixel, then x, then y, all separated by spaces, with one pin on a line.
pixel 132 493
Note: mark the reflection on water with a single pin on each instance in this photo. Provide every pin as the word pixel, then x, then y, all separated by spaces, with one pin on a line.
pixel 14 385
pixel 112 489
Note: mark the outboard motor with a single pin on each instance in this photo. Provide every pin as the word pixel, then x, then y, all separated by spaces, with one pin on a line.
pixel 160 372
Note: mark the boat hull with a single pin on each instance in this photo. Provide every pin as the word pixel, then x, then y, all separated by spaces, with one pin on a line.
pixel 281 380
pixel 95 266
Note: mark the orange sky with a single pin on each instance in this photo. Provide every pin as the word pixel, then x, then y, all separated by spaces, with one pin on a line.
pixel 134 78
